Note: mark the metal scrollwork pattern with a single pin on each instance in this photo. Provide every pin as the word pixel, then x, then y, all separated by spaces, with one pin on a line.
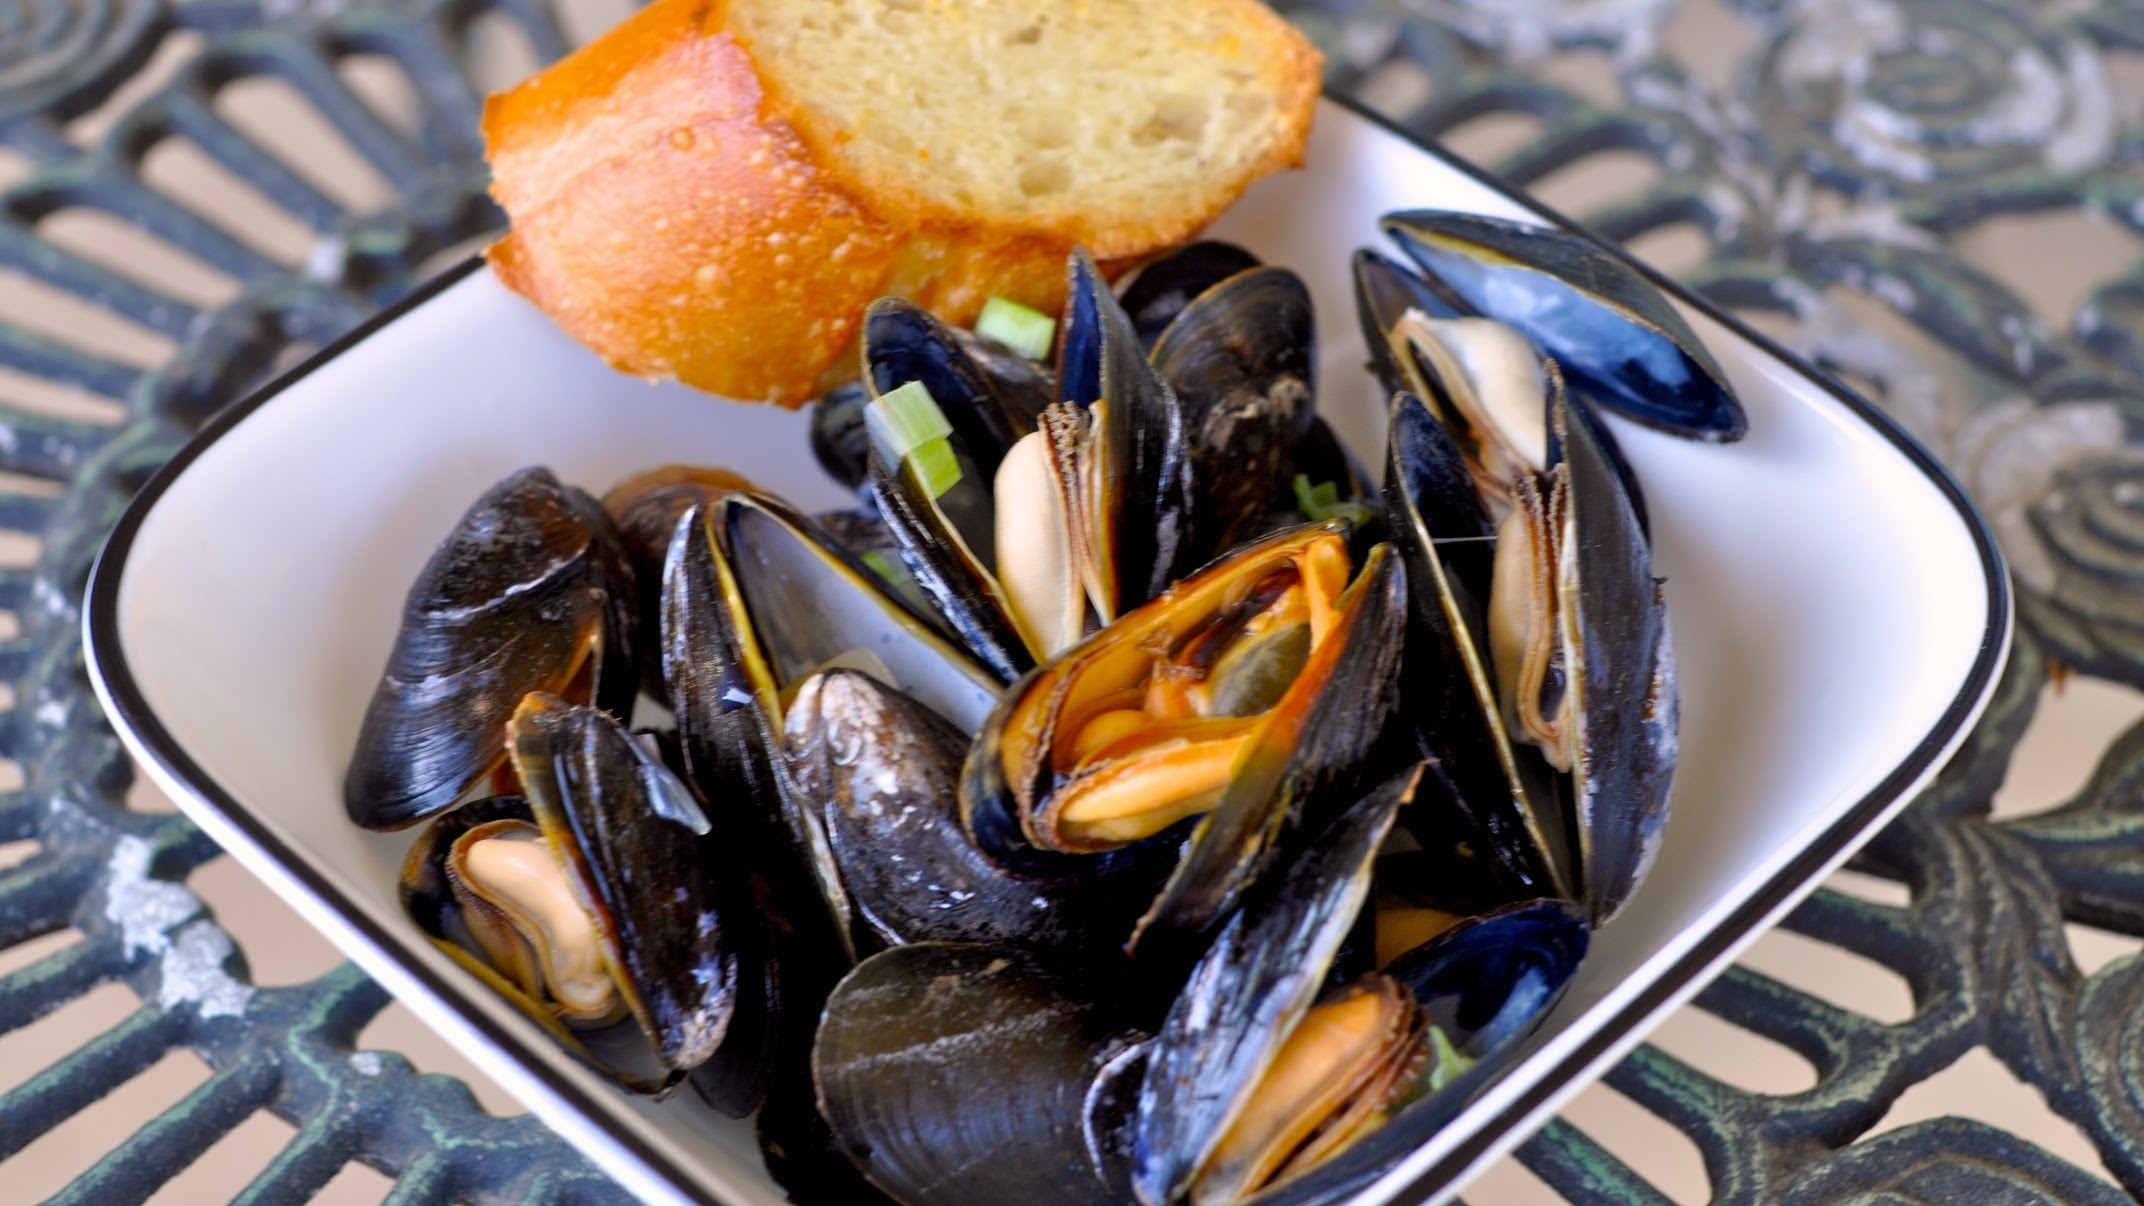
pixel 1853 144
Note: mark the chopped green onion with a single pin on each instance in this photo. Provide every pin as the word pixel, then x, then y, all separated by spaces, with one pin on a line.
pixel 1322 502
pixel 936 467
pixel 1025 331
pixel 902 419
pixel 1445 1063
pixel 906 425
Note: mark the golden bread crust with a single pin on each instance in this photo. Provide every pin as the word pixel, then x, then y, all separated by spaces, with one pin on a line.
pixel 677 219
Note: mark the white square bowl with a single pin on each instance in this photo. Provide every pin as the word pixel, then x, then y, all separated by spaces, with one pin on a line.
pixel 1840 615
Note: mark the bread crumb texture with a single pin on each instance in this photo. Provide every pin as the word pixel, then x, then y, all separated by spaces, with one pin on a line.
pixel 1119 124
pixel 712 192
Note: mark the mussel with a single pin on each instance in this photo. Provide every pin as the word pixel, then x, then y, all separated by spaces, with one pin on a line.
pixel 958 1074
pixel 1620 343
pixel 884 771
pixel 1078 507
pixel 1541 673
pixel 592 900
pixel 1242 359
pixel 532 591
pixel 755 602
pixel 1161 289
pixel 645 507
pixel 1266 1078
pixel 1237 693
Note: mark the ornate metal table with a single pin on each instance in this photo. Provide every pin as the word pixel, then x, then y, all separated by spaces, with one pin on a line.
pixel 1824 166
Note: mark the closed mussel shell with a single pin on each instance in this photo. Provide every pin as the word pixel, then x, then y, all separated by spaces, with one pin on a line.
pixel 646 507
pixel 531 591
pixel 961 1074
pixel 1162 288
pixel 1242 359
pixel 1617 339
pixel 885 771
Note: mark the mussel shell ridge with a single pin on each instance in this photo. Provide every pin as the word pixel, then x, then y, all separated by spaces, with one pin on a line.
pixel 956 1074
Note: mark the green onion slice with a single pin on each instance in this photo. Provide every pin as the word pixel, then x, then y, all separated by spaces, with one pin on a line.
pixel 906 425
pixel 1321 502
pixel 935 466
pixel 1025 331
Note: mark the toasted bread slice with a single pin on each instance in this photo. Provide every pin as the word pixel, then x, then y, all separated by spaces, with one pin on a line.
pixel 713 191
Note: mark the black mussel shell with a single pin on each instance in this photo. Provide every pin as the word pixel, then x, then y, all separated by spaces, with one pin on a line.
pixel 902 342
pixel 1324 743
pixel 1023 386
pixel 1242 359
pixel 958 1074
pixel 645 507
pixel 1623 680
pixel 1144 444
pixel 1385 290
pixel 1162 288
pixel 953 572
pixel 1248 992
pixel 633 830
pixel 808 604
pixel 530 589
pixel 1617 339
pixel 1484 785
pixel 840 439
pixel 885 771
pixel 1486 983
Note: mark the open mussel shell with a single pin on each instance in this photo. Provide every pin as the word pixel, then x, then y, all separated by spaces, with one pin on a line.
pixel 1137 433
pixel 1316 750
pixel 902 342
pixel 1245 996
pixel 958 1074
pixel 884 771
pixel 1620 668
pixel 756 600
pixel 953 563
pixel 605 854
pixel 809 605
pixel 1384 291
pixel 1144 723
pixel 1485 984
pixel 1617 339
pixel 626 830
pixel 1484 787
pixel 1242 360
pixel 1160 290
pixel 531 591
